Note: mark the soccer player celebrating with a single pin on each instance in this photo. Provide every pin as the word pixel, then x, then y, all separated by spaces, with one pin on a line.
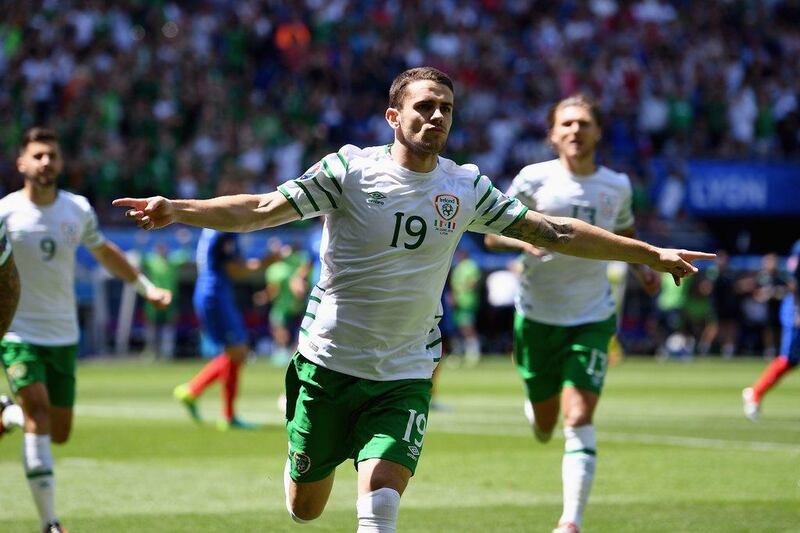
pixel 359 385
pixel 46 226
pixel 219 264
pixel 565 311
pixel 789 356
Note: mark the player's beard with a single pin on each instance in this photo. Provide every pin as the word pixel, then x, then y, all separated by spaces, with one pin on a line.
pixel 431 146
pixel 44 181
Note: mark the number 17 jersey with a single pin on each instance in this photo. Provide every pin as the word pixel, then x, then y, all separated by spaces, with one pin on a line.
pixel 388 240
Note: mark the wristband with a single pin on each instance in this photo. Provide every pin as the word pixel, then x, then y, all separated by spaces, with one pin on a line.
pixel 143 285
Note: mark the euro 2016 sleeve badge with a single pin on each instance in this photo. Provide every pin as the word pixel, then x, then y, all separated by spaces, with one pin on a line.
pixel 447 206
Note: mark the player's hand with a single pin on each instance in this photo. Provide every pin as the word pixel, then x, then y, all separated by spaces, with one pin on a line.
pixel 160 298
pixel 149 213
pixel 530 249
pixel 649 280
pixel 678 262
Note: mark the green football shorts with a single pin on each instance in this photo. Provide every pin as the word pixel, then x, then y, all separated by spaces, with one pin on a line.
pixel 332 417
pixel 551 357
pixel 54 366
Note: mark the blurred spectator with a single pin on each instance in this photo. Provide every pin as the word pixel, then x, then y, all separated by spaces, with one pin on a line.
pixel 726 316
pixel 159 96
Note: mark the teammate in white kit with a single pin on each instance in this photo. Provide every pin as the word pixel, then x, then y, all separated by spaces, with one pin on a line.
pixel 46 226
pixel 359 386
pixel 565 312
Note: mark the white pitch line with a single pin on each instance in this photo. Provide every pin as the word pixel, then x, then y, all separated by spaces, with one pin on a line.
pixel 468 426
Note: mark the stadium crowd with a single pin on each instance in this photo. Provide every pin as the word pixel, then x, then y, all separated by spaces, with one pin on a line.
pixel 165 97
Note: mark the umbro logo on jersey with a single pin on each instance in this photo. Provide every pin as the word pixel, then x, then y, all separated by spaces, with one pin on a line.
pixel 376 197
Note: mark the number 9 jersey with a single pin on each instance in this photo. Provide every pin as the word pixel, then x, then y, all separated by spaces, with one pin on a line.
pixel 45 240
pixel 388 239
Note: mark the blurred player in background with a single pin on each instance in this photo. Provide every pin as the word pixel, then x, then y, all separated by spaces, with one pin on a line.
pixel 163 267
pixel 789 356
pixel 219 264
pixel 39 351
pixel 565 315
pixel 465 289
pixel 285 291
pixel 360 385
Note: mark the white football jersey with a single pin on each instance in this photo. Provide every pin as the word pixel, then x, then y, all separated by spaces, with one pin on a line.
pixel 45 240
pixel 388 240
pixel 560 289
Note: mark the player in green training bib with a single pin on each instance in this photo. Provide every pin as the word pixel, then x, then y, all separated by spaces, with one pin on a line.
pixel 565 312
pixel 359 386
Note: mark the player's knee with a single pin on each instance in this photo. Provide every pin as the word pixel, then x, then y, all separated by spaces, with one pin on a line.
pixel 301 513
pixel 578 417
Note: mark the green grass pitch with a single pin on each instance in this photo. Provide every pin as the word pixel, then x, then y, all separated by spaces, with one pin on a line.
pixel 675 455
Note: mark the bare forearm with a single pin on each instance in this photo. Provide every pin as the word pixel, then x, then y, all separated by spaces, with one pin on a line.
pixel 113 259
pixel 499 243
pixel 239 213
pixel 574 237
pixel 10 291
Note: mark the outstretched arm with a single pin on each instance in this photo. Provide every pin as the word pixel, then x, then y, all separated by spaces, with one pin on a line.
pixel 574 237
pixel 238 213
pixel 9 292
pixel 110 256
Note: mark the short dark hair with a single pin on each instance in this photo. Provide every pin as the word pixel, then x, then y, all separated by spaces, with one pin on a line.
pixel 38 134
pixel 398 89
pixel 580 99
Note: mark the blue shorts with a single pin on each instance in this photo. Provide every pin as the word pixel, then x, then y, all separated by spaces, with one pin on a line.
pixel 221 321
pixel 793 351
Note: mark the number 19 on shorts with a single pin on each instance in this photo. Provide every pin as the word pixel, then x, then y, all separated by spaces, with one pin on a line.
pixel 416 426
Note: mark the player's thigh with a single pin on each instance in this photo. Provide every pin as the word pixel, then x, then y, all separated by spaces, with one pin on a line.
pixel 60 366
pixel 538 356
pixel 24 366
pixel 319 419
pixel 391 426
pixel 585 367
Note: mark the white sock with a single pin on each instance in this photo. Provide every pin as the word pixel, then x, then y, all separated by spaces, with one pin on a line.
pixel 577 471
pixel 38 462
pixel 287 478
pixel 377 511
pixel 13 417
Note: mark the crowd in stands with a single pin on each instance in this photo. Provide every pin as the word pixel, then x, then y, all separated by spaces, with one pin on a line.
pixel 165 97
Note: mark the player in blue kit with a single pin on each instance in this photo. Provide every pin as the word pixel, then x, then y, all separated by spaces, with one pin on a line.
pixel 789 356
pixel 219 265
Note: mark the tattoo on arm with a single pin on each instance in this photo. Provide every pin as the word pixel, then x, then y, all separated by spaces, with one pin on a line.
pixel 9 289
pixel 541 230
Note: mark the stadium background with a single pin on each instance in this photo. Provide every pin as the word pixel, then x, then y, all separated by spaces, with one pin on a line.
pixel 701 106
pixel 155 97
